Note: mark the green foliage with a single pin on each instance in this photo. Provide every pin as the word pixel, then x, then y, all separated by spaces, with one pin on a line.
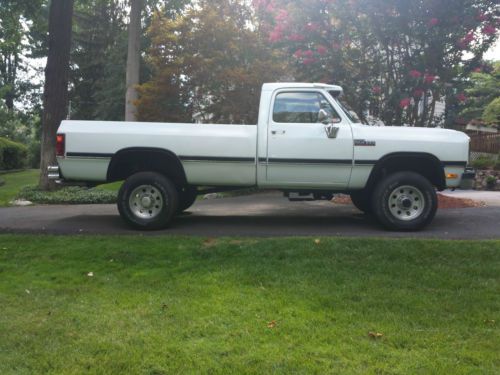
pixel 188 305
pixel 12 155
pixel 491 114
pixel 395 58
pixel 483 94
pixel 68 195
pixel 207 61
pixel 483 162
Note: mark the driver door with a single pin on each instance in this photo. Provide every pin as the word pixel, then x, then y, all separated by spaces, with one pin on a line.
pixel 300 154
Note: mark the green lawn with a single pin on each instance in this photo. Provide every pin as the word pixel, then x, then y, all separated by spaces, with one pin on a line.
pixel 158 305
pixel 15 181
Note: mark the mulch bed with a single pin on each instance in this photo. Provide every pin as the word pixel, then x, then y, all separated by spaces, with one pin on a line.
pixel 443 201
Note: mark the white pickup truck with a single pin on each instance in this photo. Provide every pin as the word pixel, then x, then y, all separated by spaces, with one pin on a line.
pixel 306 144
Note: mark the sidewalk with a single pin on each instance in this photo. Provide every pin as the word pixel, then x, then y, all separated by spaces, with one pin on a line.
pixel 491 198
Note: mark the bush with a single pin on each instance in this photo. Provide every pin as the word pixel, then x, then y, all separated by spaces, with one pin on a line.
pixel 12 154
pixel 68 195
pixel 483 162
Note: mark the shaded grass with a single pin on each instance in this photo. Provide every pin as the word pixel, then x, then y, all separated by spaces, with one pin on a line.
pixel 23 185
pixel 188 305
pixel 14 182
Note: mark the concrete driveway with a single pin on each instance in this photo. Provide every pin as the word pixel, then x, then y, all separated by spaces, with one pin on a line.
pixel 264 214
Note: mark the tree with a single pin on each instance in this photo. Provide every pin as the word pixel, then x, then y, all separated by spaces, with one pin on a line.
pixel 491 114
pixel 98 60
pixel 19 39
pixel 209 61
pixel 55 97
pixel 400 56
pixel 484 88
pixel 133 58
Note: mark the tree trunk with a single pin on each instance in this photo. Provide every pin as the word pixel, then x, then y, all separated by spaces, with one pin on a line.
pixel 55 95
pixel 133 58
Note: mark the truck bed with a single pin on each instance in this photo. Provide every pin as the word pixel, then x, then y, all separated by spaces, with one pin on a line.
pixel 207 152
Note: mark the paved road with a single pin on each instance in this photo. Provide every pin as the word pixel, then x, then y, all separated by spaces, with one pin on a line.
pixel 266 214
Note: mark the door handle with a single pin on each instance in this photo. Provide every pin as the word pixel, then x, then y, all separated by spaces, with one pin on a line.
pixel 279 132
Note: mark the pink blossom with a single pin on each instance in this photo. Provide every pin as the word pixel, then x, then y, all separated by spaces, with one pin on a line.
pixel 312 26
pixel 429 78
pixel 321 49
pixel 481 17
pixel 461 97
pixel 405 102
pixel 417 93
pixel 308 61
pixel 433 22
pixel 308 53
pixel 275 36
pixel 478 70
pixel 336 46
pixel 270 7
pixel 282 16
pixel 489 30
pixel 415 74
pixel 259 3
pixel 469 37
pixel 296 38
pixel 298 54
pixel 376 90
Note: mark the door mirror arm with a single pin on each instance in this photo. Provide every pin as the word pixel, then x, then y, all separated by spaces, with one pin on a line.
pixel 331 131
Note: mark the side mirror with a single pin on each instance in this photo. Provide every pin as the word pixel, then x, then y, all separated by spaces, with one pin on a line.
pixel 324 117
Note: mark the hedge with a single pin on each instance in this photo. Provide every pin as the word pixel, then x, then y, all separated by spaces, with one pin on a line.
pixel 13 155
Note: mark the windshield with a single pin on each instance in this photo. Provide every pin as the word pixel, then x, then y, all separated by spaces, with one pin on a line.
pixel 349 112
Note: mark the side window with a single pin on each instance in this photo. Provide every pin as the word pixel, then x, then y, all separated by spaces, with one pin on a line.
pixel 301 107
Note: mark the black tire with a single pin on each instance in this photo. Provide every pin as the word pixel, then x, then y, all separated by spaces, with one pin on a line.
pixel 148 201
pixel 187 196
pixel 362 200
pixel 410 208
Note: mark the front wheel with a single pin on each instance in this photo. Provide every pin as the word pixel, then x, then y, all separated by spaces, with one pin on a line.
pixel 148 201
pixel 362 200
pixel 404 201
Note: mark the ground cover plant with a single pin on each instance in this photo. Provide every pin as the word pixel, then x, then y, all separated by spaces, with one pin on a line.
pixel 162 305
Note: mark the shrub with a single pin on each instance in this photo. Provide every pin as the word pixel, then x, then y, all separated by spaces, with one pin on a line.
pixel 483 162
pixel 68 195
pixel 12 154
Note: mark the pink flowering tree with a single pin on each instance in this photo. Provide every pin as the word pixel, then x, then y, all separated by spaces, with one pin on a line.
pixel 400 56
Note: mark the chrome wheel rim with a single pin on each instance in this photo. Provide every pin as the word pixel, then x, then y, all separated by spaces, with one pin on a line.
pixel 146 202
pixel 406 203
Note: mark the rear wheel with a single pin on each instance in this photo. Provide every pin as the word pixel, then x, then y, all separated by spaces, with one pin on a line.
pixel 362 200
pixel 404 201
pixel 148 201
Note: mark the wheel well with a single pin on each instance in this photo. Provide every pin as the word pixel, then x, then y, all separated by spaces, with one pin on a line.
pixel 424 164
pixel 128 161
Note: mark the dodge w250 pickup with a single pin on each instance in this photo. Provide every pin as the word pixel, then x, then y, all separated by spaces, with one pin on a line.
pixel 306 143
